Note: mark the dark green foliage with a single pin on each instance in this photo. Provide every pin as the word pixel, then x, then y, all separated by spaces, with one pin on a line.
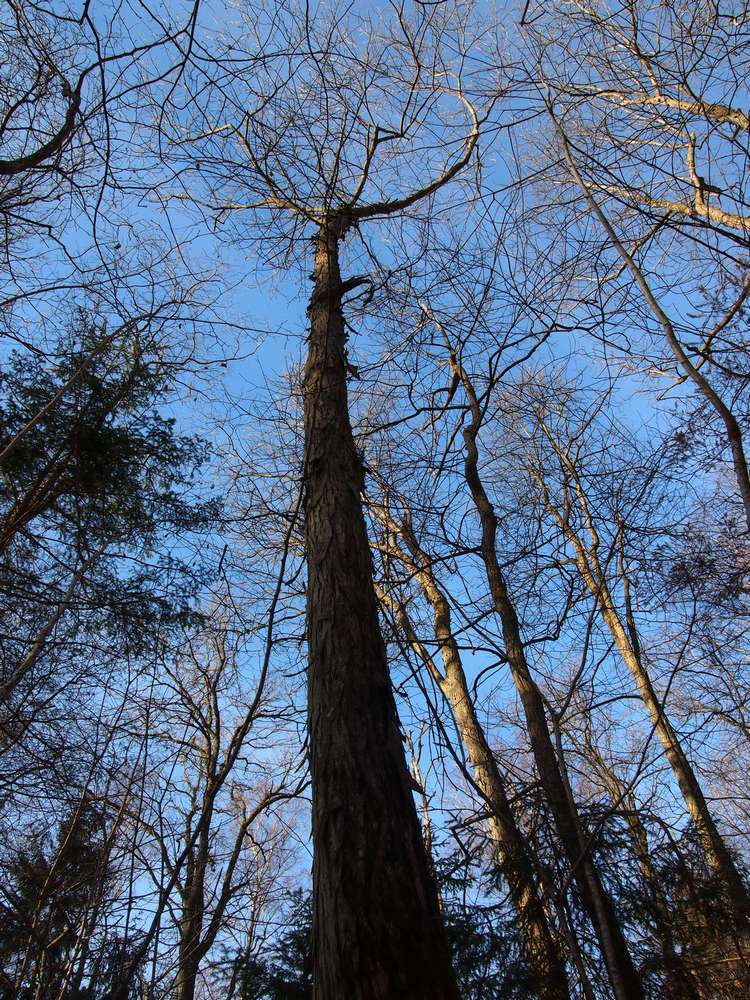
pixel 482 936
pixel 101 478
pixel 54 893
pixel 284 971
pixel 101 461
pixel 482 947
pixel 289 972
pixel 706 936
pixel 679 917
pixel 100 567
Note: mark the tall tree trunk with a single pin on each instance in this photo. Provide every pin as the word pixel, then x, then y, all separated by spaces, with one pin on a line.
pixel 626 983
pixel 538 940
pixel 624 978
pixel 539 944
pixel 188 958
pixel 377 930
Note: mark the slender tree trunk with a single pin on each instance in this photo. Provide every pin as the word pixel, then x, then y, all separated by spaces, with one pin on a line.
pixel 377 930
pixel 624 978
pixel 511 853
pixel 424 806
pixel 191 922
pixel 188 960
pixel 540 946
pixel 713 843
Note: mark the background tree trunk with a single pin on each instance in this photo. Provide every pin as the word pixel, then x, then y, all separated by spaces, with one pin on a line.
pixel 623 975
pixel 627 640
pixel 512 853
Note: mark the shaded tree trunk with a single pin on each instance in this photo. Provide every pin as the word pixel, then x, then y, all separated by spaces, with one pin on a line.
pixel 539 944
pixel 377 930
pixel 191 926
pixel 623 975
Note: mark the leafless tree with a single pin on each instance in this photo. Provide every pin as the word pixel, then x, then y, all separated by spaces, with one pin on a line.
pixel 398 126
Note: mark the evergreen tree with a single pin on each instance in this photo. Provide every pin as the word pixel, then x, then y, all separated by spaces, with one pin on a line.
pixel 51 891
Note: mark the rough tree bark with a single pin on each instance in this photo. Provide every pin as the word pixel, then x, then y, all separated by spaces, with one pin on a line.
pixel 377 928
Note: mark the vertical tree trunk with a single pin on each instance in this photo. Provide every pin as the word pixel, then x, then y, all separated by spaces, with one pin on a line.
pixel 377 930
pixel 539 944
pixel 713 843
pixel 188 958
pixel 538 940
pixel 624 978
pixel 191 919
